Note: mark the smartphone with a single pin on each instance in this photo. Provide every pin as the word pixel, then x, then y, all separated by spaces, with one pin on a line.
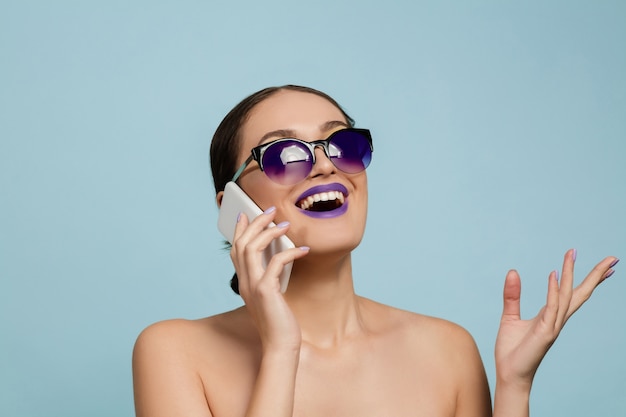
pixel 236 201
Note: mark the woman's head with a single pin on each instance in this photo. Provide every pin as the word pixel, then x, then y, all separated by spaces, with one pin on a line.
pixel 327 209
pixel 226 143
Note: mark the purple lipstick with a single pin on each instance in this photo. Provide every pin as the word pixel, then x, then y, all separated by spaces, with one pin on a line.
pixel 324 201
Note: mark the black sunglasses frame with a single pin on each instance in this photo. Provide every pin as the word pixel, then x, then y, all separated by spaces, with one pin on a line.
pixel 257 152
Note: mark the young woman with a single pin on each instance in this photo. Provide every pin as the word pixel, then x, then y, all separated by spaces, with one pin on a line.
pixel 319 349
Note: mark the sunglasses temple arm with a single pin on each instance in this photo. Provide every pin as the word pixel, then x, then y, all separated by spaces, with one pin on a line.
pixel 241 168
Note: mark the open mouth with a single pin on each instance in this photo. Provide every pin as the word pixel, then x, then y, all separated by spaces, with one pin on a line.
pixel 326 200
pixel 322 201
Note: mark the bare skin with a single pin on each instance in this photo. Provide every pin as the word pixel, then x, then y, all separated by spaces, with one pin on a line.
pixel 319 349
pixel 415 366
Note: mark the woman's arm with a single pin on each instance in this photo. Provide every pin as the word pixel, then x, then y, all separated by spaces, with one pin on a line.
pixel 165 358
pixel 474 398
pixel 280 334
pixel 522 344
pixel 164 376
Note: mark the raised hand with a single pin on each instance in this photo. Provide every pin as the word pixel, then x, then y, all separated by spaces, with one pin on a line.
pixel 522 344
pixel 259 287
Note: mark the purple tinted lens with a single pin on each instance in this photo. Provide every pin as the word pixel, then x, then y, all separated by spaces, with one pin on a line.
pixel 350 151
pixel 287 162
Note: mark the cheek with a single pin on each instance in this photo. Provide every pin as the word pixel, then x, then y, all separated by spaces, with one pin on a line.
pixel 361 186
pixel 264 193
pixel 253 185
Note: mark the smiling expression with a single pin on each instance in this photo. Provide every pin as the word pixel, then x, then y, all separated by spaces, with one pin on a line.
pixel 329 207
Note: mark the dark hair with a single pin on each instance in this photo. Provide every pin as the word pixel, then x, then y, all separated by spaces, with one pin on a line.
pixel 226 143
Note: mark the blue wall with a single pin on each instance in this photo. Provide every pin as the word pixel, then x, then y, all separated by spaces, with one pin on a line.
pixel 500 132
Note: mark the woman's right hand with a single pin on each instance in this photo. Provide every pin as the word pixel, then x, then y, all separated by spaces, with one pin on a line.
pixel 259 287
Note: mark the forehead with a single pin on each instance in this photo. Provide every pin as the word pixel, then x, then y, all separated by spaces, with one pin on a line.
pixel 301 112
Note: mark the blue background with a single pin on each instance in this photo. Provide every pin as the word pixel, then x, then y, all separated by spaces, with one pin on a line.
pixel 500 134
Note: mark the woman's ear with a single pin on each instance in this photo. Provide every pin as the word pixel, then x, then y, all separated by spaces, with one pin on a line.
pixel 218 198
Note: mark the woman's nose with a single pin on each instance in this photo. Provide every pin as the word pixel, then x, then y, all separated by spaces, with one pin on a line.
pixel 323 165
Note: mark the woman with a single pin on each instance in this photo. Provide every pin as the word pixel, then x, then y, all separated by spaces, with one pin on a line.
pixel 319 349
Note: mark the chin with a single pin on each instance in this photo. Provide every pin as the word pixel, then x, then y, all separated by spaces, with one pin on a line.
pixel 330 240
pixel 329 227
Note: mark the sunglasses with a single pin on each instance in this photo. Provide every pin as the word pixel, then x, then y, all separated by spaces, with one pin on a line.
pixel 289 161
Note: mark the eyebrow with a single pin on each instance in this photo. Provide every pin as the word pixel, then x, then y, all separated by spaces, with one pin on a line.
pixel 288 133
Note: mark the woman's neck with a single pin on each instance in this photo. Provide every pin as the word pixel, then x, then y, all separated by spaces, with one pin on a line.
pixel 321 295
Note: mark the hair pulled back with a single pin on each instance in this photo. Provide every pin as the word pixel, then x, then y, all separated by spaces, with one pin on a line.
pixel 226 142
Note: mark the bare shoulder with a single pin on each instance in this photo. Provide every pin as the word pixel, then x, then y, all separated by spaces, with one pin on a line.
pixel 177 364
pixel 169 336
pixel 167 333
pixel 438 358
pixel 419 330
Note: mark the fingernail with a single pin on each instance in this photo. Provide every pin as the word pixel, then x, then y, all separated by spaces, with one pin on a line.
pixel 574 253
pixel 614 263
pixel 556 275
pixel 282 225
pixel 609 273
pixel 304 248
pixel 238 217
pixel 270 210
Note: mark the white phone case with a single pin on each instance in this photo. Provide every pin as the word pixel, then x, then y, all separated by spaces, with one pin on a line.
pixel 236 201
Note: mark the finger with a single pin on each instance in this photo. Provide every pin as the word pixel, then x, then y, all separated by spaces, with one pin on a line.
pixel 611 271
pixel 583 292
pixel 245 231
pixel 280 260
pixel 256 225
pixel 241 225
pixel 566 286
pixel 608 274
pixel 253 252
pixel 245 234
pixel 551 310
pixel 512 293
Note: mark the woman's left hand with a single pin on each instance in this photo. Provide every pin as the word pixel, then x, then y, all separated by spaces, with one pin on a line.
pixel 522 344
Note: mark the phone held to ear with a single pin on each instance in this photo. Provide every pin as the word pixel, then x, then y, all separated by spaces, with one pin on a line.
pixel 235 201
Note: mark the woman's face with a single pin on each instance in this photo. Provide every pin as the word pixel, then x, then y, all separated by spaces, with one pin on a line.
pixel 307 117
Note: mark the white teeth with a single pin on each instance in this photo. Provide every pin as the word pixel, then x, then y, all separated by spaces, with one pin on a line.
pixel 326 196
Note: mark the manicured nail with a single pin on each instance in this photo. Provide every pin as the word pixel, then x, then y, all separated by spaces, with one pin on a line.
pixel 282 225
pixel 614 263
pixel 556 275
pixel 238 217
pixel 574 253
pixel 304 248
pixel 609 273
pixel 270 210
